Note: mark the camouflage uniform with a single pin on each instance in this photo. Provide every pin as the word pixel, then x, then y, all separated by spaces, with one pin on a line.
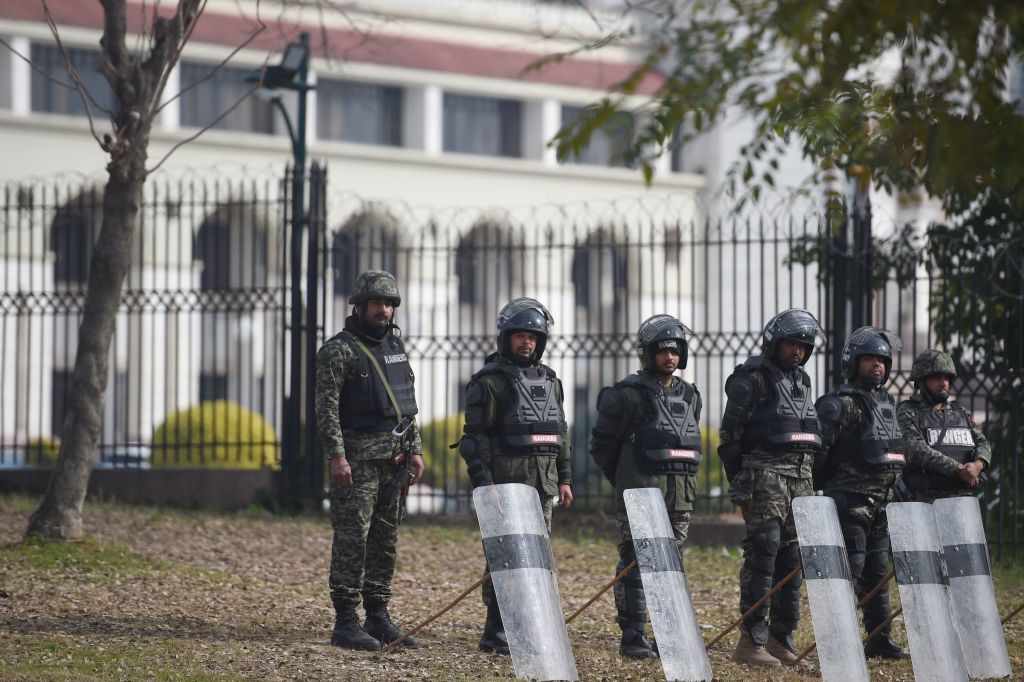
pixel 941 435
pixel 363 553
pixel 860 496
pixel 764 488
pixel 647 435
pixel 922 456
pixel 515 429
pixel 488 397
pixel 621 409
pixel 364 387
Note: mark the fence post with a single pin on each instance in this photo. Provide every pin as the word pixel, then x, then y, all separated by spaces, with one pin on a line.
pixel 316 224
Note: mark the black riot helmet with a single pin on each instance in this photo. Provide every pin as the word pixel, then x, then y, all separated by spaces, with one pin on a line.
pixel 657 333
pixel 870 341
pixel 795 324
pixel 524 315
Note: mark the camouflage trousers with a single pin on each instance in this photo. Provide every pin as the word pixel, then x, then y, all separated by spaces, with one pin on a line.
pixel 630 601
pixel 365 534
pixel 770 550
pixel 865 529
pixel 487 589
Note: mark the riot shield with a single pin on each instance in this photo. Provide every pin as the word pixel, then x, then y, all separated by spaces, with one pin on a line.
pixel 680 644
pixel 522 569
pixel 830 590
pixel 935 647
pixel 965 551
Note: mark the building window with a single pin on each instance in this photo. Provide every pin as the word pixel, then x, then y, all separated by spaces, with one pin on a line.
pixel 72 234
pixel 52 97
pixel 609 144
pixel 359 112
pixel 221 90
pixel 489 267
pixel 482 125
pixel 600 272
pixel 368 240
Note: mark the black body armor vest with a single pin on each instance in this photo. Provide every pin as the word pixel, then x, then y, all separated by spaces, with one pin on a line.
pixel 949 432
pixel 365 405
pixel 535 423
pixel 787 420
pixel 879 446
pixel 668 442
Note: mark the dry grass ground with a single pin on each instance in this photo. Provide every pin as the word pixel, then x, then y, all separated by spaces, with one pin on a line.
pixel 159 594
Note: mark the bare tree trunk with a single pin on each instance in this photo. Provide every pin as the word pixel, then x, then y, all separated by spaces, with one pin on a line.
pixel 137 84
pixel 59 516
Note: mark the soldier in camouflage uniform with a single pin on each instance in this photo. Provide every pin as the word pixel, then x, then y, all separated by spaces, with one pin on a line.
pixel 770 434
pixel 647 436
pixel 860 469
pixel 356 410
pixel 515 427
pixel 946 451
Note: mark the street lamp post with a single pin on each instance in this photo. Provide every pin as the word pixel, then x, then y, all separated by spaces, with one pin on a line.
pixel 291 74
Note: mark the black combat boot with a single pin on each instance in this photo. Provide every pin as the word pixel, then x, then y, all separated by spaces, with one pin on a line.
pixel 493 640
pixel 882 646
pixel 634 642
pixel 348 635
pixel 378 624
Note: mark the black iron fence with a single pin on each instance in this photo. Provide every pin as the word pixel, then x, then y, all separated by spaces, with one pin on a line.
pixel 201 361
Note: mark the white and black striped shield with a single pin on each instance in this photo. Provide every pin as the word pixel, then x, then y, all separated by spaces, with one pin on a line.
pixel 829 590
pixel 935 648
pixel 680 645
pixel 523 573
pixel 965 551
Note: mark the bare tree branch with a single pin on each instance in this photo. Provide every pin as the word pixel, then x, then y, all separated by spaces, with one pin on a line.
pixel 73 73
pixel 215 69
pixel 245 95
pixel 45 74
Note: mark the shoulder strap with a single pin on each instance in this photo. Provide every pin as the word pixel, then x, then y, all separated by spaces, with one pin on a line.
pixel 380 373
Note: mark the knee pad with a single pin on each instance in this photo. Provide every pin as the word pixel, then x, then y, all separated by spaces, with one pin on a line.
pixel 765 544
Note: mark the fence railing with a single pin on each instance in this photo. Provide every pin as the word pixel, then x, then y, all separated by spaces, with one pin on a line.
pixel 200 361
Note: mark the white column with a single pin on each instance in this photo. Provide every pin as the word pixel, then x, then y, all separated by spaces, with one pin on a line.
pixel 170 115
pixel 423 119
pixel 541 121
pixel 311 117
pixel 20 91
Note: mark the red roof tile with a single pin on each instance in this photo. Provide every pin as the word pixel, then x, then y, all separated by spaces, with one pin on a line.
pixel 352 46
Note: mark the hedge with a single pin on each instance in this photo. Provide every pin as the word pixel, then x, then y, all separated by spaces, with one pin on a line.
pixel 219 434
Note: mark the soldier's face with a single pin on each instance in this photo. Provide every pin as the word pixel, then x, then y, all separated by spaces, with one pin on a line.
pixel 791 353
pixel 522 344
pixel 377 312
pixel 871 367
pixel 666 361
pixel 937 385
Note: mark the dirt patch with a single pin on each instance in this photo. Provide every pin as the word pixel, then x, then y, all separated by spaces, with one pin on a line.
pixel 177 595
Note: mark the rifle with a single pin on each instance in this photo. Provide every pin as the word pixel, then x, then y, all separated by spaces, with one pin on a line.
pixel 399 482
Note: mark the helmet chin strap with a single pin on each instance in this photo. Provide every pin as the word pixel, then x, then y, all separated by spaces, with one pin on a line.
pixel 935 399
pixel 872 382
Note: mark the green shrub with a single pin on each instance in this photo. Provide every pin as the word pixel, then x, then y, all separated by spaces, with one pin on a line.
pixel 42 452
pixel 711 473
pixel 445 469
pixel 219 434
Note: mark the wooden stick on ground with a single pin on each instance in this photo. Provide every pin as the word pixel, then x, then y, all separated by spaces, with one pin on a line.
pixel 864 600
pixel 617 578
pixel 771 593
pixel 394 645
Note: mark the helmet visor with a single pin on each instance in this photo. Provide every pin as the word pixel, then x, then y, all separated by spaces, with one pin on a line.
pixel 796 324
